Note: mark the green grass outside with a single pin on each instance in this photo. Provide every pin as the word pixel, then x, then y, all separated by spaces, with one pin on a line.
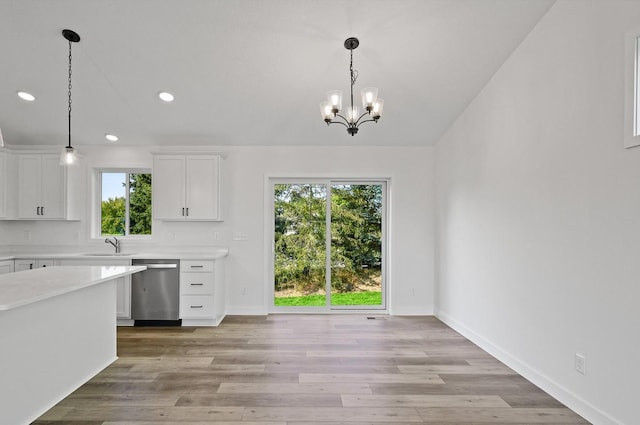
pixel 348 298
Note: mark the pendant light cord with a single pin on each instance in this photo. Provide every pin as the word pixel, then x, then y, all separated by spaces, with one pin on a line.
pixel 69 94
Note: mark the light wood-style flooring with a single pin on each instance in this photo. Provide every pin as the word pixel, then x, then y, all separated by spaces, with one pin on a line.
pixel 306 370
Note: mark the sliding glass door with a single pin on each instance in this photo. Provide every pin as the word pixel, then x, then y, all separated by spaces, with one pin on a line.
pixel 328 245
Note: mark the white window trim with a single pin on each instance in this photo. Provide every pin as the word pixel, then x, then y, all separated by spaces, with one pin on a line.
pixel 96 202
pixel 269 180
pixel 632 90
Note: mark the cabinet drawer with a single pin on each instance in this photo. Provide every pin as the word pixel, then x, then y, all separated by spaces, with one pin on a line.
pixel 196 266
pixel 196 283
pixel 196 306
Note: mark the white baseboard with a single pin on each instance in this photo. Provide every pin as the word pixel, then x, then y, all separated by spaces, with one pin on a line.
pixel 245 311
pixel 575 403
pixel 203 322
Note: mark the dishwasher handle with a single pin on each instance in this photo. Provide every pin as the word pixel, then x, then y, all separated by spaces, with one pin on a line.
pixel 161 266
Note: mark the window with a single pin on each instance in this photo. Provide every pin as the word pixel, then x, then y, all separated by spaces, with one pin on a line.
pixel 125 203
pixel 328 244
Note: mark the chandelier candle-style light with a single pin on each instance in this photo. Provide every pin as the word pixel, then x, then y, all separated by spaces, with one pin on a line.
pixel 371 104
pixel 68 156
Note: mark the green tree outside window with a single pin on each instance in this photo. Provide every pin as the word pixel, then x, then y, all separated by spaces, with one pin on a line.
pixel 126 204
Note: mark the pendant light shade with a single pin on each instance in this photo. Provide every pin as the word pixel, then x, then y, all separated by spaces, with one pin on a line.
pixel 1 139
pixel 68 155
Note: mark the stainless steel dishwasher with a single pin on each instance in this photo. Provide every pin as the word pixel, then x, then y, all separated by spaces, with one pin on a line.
pixel 155 292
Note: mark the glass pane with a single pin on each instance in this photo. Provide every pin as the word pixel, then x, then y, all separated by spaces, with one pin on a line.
pixel 300 247
pixel 112 214
pixel 139 204
pixel 356 244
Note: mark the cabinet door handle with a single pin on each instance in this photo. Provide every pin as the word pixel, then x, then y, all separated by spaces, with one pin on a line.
pixel 183 212
pixel 30 266
pixel 197 284
pixel 187 211
pixel 37 210
pixel 196 306
pixel 41 210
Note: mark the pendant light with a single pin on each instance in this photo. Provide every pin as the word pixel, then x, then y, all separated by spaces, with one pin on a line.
pixel 68 156
pixel 371 103
pixel 1 139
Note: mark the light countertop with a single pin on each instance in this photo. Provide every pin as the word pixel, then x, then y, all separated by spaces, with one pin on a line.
pixel 30 286
pixel 200 255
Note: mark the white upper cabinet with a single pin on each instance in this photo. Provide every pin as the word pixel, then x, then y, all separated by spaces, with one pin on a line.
pixel 168 186
pixel 186 187
pixel 46 190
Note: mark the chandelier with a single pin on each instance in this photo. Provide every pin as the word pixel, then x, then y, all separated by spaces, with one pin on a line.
pixel 68 156
pixel 371 104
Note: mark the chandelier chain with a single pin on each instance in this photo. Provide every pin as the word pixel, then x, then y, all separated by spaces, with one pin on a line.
pixel 354 76
pixel 354 72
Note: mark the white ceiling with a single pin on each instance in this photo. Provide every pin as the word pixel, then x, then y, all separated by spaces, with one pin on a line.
pixel 248 72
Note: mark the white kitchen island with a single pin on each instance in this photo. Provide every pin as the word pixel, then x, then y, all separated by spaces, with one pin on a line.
pixel 57 330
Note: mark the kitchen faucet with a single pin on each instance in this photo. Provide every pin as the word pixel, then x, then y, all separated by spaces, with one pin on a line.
pixel 115 242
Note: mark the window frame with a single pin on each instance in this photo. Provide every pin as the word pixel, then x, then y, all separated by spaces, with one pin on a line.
pixel 269 228
pixel 632 90
pixel 96 227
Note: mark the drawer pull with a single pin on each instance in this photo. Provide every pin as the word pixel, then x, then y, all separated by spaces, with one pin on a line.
pixel 197 267
pixel 197 284
pixel 196 306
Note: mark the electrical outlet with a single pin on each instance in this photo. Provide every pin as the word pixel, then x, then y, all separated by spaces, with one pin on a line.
pixel 240 236
pixel 580 363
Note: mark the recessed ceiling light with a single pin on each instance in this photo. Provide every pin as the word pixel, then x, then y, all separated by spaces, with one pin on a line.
pixel 26 96
pixel 111 137
pixel 165 96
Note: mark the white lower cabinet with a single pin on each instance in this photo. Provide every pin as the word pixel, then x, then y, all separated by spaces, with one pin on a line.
pixel 22 264
pixel 6 266
pixel 202 292
pixel 123 284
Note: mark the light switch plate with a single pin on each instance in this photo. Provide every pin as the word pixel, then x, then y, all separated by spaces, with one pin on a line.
pixel 240 236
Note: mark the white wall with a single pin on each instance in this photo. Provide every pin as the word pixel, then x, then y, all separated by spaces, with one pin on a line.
pixel 411 226
pixel 538 213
